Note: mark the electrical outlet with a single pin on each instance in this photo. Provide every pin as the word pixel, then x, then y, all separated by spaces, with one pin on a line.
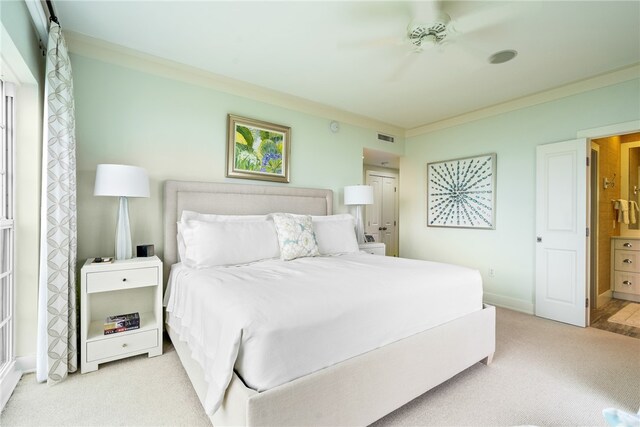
pixel 492 272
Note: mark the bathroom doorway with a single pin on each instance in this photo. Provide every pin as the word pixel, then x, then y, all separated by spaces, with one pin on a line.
pixel 614 276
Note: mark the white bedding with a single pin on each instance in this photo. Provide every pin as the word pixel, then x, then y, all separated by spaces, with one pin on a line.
pixel 275 321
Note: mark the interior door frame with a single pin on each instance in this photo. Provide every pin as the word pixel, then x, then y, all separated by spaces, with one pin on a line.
pixel 396 176
pixel 595 231
pixel 596 133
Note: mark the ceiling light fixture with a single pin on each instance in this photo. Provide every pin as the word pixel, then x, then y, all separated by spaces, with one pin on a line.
pixel 502 56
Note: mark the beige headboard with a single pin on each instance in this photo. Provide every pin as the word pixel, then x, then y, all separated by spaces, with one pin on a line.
pixel 235 199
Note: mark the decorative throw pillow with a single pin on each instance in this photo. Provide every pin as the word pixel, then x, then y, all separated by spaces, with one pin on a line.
pixel 295 236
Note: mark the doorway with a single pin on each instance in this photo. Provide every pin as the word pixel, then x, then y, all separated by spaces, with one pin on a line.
pixel 616 233
pixel 381 218
pixel 572 266
pixel 608 183
pixel 381 221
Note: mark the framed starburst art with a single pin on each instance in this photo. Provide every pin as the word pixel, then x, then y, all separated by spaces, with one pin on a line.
pixel 462 192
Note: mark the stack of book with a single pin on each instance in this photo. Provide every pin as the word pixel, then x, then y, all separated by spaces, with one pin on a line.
pixel 121 323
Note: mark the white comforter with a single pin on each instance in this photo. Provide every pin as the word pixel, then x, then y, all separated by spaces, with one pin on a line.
pixel 275 321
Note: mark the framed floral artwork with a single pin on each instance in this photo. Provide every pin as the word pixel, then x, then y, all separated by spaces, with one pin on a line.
pixel 257 149
pixel 462 192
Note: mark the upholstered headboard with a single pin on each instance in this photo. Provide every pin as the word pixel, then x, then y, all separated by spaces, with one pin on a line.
pixel 235 199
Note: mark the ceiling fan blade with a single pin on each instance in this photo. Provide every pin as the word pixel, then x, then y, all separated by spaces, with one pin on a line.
pixel 372 43
pixel 404 66
pixel 486 16
pixel 429 12
pixel 425 12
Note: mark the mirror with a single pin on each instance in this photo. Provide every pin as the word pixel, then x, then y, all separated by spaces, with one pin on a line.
pixel 630 171
pixel 634 175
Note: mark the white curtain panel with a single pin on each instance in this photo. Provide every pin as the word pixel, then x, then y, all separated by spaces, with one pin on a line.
pixel 57 339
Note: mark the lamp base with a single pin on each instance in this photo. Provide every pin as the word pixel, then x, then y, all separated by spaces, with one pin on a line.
pixel 123 232
pixel 359 225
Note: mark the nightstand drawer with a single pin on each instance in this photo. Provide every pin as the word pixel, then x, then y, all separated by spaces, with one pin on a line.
pixel 373 248
pixel 118 346
pixel 123 279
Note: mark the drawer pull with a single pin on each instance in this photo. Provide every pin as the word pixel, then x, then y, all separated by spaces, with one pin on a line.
pixel 627 261
pixel 124 280
pixel 627 245
pixel 124 345
pixel 627 283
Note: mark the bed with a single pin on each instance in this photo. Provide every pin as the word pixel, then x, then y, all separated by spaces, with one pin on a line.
pixel 354 390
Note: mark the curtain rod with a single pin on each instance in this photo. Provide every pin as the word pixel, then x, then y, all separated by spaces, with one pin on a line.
pixel 52 14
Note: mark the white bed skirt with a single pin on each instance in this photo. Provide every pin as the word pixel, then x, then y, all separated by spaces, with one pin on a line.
pixel 360 390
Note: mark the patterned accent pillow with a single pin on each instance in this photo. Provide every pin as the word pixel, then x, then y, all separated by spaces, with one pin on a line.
pixel 295 236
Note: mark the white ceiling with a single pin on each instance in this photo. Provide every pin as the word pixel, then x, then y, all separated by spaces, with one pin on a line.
pixel 353 56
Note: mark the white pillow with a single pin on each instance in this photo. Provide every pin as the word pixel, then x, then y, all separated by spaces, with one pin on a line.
pixel 187 215
pixel 295 236
pixel 191 215
pixel 335 234
pixel 217 243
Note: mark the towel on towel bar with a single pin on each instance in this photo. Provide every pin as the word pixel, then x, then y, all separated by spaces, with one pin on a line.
pixel 633 208
pixel 622 206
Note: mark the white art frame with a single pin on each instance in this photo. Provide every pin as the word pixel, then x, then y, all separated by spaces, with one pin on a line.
pixel 461 193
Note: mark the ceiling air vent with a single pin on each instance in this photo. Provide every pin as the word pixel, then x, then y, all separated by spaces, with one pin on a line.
pixel 386 138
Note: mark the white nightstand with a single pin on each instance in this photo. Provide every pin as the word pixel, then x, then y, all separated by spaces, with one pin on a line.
pixel 374 248
pixel 121 287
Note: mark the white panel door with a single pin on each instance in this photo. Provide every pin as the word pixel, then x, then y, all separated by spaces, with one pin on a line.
pixel 389 233
pixel 373 212
pixel 561 230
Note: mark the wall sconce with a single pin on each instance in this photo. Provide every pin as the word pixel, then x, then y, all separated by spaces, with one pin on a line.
pixel 610 183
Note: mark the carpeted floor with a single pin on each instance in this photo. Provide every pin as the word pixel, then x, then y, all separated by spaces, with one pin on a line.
pixel 544 373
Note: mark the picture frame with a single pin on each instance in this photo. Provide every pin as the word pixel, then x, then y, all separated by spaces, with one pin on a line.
pixel 257 149
pixel 461 193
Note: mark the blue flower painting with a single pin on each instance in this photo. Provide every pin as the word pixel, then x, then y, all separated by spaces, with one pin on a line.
pixel 260 150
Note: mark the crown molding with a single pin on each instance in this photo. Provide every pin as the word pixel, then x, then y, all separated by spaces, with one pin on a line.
pixel 84 45
pixel 608 79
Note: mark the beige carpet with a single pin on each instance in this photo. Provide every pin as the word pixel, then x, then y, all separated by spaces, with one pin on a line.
pixel 544 373
pixel 629 315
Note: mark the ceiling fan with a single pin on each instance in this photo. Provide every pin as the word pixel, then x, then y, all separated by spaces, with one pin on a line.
pixel 430 25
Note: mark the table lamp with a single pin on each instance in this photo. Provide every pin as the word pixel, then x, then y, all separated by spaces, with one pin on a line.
pixel 122 181
pixel 358 195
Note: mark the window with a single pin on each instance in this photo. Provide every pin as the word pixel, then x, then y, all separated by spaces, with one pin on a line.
pixel 7 122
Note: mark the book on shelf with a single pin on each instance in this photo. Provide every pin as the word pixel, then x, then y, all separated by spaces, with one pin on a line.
pixel 123 329
pixel 121 323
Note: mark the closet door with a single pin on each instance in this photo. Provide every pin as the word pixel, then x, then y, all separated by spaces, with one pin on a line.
pixel 388 211
pixel 373 213
pixel 381 218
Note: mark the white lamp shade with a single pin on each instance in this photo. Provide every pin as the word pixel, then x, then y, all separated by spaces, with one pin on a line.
pixel 358 195
pixel 121 180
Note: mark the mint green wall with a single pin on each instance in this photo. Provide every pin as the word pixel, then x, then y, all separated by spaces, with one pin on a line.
pixel 177 130
pixel 509 249
pixel 16 19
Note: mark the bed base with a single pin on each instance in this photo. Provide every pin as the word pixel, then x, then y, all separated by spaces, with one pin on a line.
pixel 360 390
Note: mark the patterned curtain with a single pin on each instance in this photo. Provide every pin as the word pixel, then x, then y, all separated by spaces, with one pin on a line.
pixel 57 342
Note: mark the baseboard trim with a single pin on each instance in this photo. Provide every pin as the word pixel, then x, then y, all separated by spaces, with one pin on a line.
pixel 604 298
pixel 628 297
pixel 26 364
pixel 508 302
